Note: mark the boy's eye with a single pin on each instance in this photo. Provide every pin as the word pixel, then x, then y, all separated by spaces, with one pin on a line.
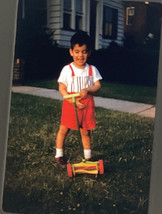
pixel 85 51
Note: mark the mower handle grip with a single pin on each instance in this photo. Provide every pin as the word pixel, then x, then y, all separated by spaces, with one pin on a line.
pixel 71 96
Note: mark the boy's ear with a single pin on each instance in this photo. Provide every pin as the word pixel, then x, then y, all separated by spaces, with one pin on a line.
pixel 71 52
pixel 89 53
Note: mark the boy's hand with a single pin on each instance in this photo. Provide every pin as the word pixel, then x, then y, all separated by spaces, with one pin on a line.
pixel 79 104
pixel 83 93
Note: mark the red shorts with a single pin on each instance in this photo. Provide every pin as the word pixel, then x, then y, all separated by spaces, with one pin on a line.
pixel 86 116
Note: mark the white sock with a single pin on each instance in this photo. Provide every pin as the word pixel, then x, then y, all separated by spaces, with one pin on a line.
pixel 87 153
pixel 59 153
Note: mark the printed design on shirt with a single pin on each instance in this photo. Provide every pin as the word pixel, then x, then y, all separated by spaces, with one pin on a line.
pixel 81 82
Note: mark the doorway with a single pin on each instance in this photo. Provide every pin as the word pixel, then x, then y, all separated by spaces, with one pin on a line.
pixel 93 6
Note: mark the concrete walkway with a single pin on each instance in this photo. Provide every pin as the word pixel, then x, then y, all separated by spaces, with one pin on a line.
pixel 142 109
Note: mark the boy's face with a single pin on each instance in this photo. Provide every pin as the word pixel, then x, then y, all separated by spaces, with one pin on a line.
pixel 80 55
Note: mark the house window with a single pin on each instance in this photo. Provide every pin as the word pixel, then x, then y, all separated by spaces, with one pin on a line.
pixel 130 12
pixel 67 4
pixel 67 14
pixel 72 18
pixel 79 14
pixel 110 19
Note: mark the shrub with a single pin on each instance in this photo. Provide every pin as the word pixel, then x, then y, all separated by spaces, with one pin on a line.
pixel 35 45
pixel 44 59
pixel 131 66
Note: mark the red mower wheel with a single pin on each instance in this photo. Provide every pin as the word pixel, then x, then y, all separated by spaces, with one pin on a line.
pixel 69 170
pixel 101 167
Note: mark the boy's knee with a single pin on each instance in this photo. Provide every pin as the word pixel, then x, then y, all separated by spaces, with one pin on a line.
pixel 84 132
pixel 63 130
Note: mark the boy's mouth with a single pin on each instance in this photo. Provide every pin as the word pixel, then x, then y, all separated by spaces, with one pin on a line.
pixel 80 60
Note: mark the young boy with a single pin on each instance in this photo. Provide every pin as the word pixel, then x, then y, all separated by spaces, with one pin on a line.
pixel 85 79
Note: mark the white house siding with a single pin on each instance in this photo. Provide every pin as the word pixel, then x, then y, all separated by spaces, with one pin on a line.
pixel 62 37
pixel 55 17
pixel 55 21
pixel 65 37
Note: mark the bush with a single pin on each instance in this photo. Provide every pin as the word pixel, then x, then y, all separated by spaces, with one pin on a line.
pixel 44 59
pixel 130 66
pixel 35 45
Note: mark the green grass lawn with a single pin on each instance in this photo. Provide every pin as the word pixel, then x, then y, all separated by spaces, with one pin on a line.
pixel 136 93
pixel 34 183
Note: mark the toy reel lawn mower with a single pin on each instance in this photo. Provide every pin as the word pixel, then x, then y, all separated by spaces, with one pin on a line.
pixel 89 167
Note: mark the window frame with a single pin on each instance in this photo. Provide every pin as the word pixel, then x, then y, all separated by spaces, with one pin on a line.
pixel 130 16
pixel 112 23
pixel 67 15
pixel 75 20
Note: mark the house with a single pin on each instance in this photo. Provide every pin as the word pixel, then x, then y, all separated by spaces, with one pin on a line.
pixel 142 21
pixel 103 20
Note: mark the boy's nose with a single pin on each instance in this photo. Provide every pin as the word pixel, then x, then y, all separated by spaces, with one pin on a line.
pixel 80 53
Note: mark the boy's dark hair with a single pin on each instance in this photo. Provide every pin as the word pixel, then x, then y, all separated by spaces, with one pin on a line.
pixel 81 38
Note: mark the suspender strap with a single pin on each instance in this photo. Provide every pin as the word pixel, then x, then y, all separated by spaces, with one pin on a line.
pixel 90 70
pixel 72 70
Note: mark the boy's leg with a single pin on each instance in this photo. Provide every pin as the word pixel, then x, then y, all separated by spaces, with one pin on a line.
pixel 63 131
pixel 86 141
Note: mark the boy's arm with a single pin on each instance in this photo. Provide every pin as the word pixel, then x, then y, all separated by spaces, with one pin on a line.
pixel 96 87
pixel 92 89
pixel 63 92
pixel 63 89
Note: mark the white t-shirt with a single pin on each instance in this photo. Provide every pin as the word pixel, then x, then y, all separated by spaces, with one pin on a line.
pixel 81 79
